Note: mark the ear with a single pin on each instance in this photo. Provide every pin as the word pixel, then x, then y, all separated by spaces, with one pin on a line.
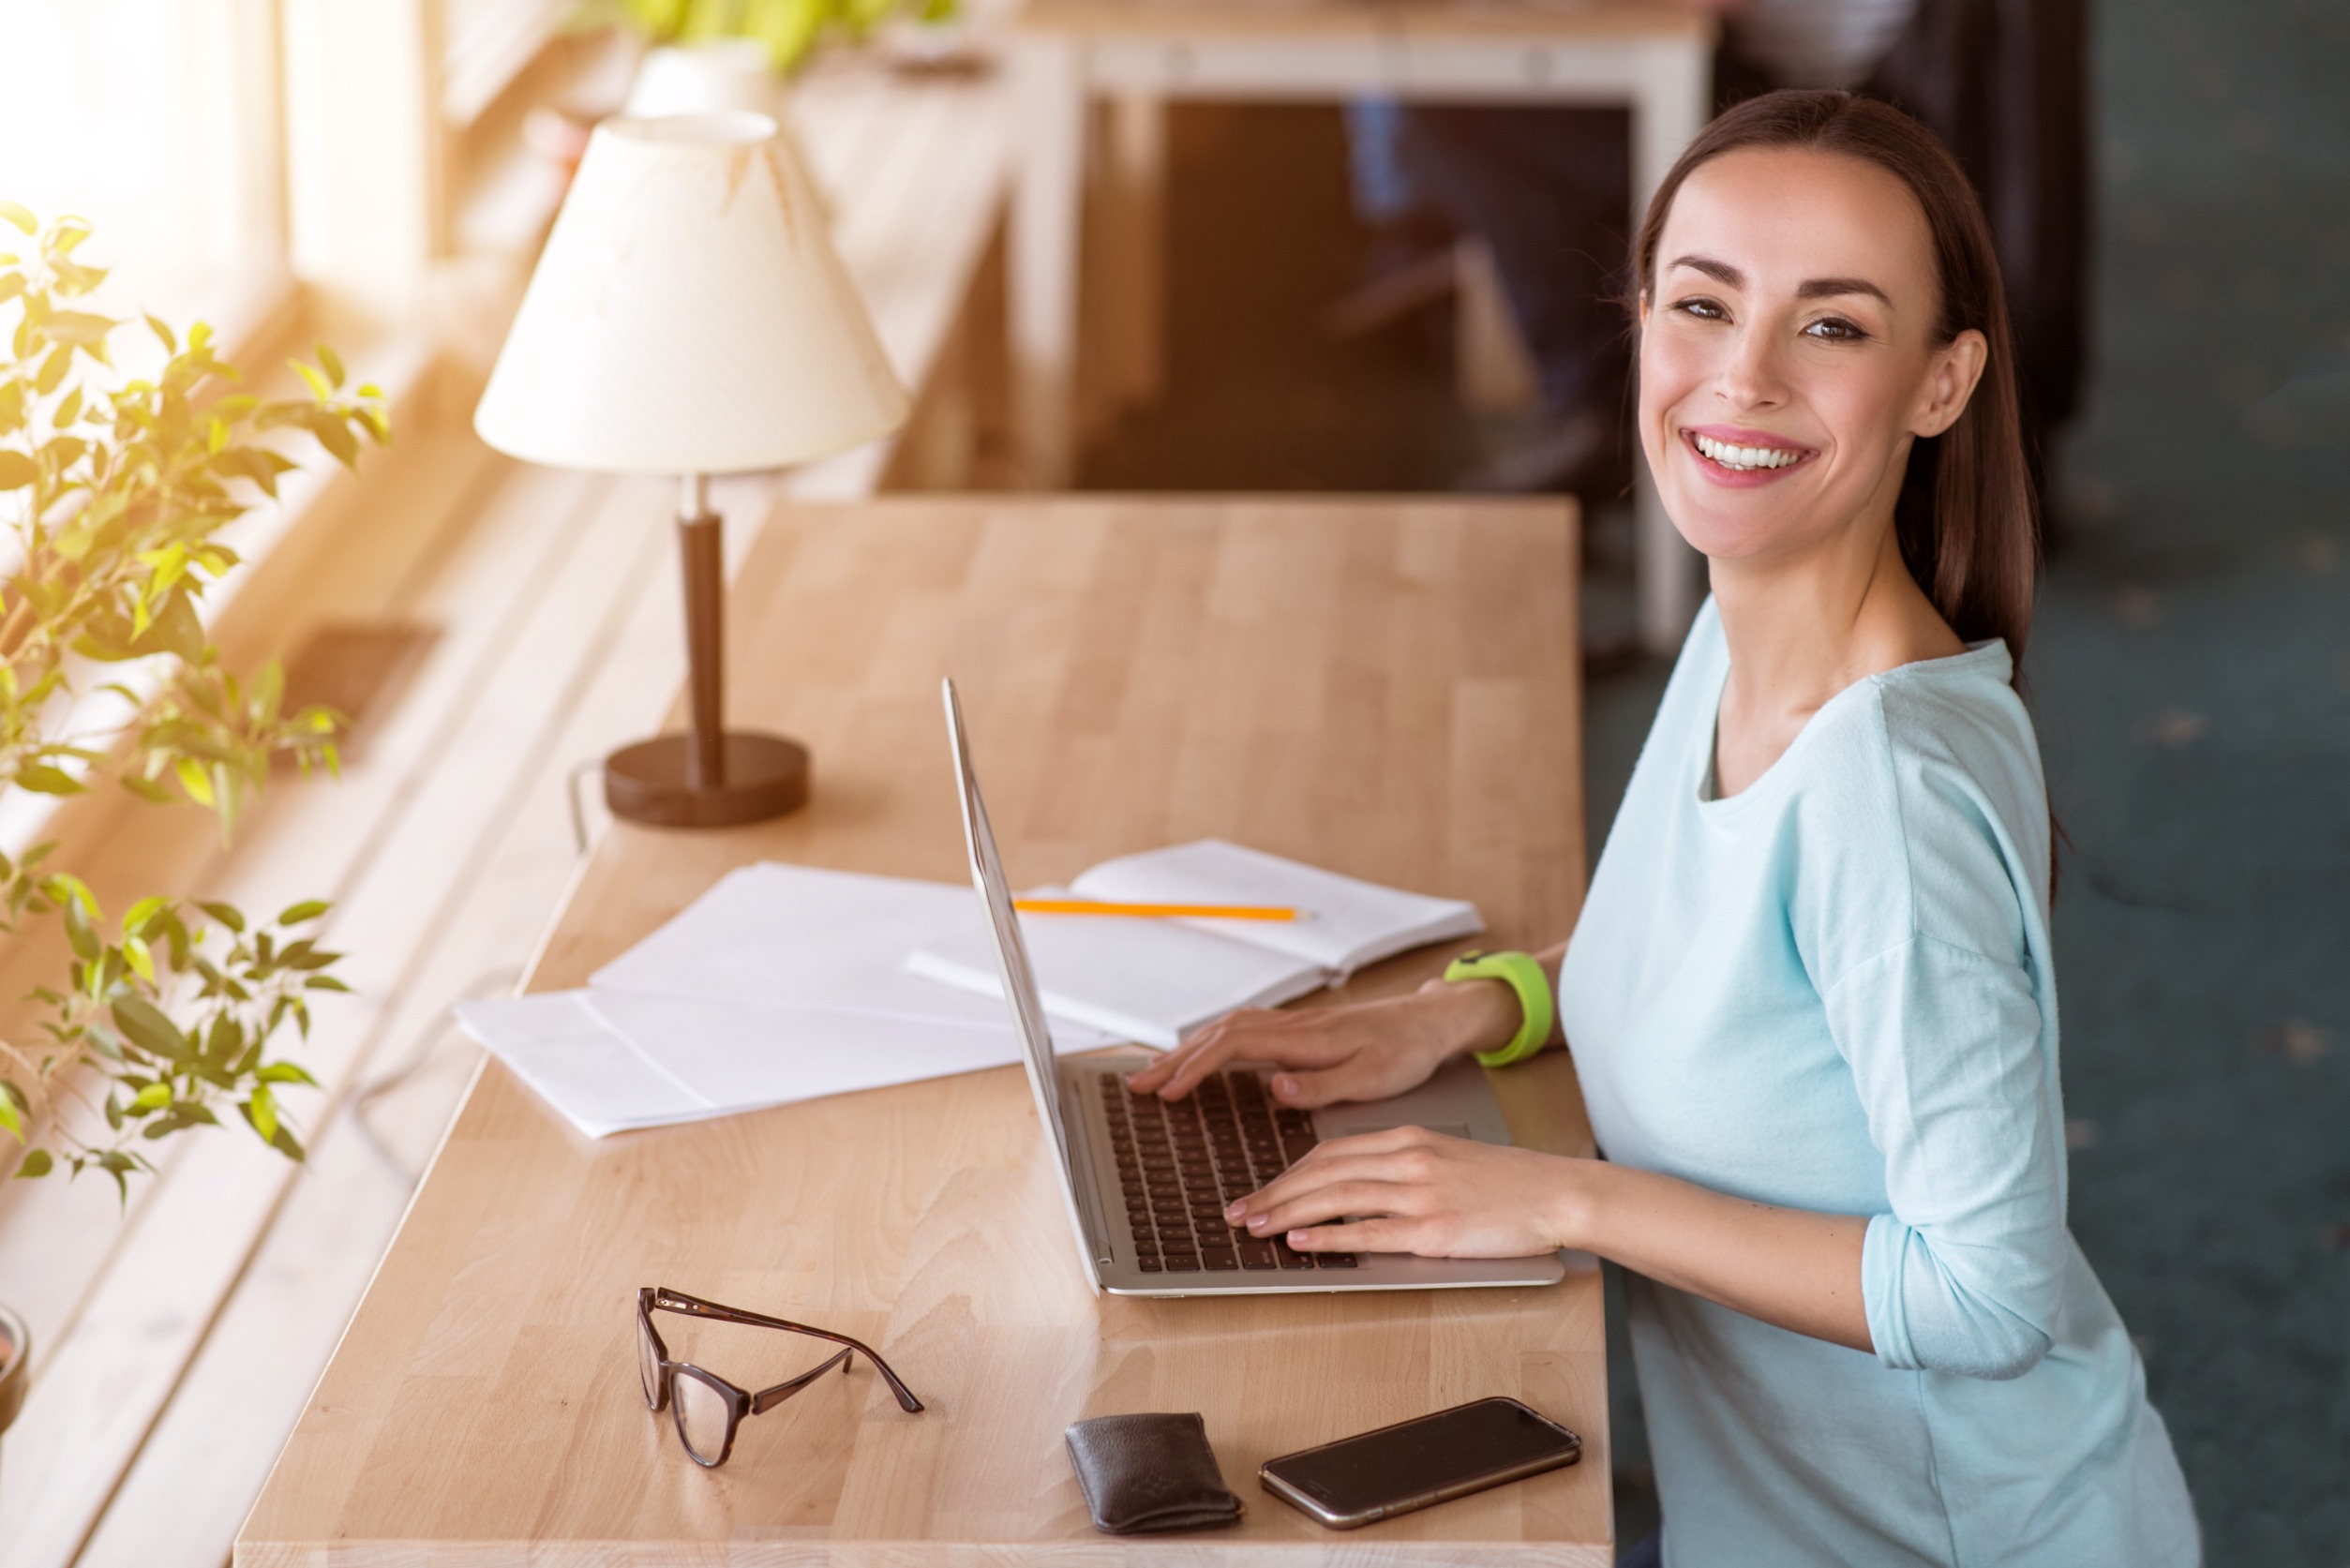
pixel 1643 303
pixel 1951 377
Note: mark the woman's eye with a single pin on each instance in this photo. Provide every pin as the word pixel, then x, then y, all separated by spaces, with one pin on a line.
pixel 1702 309
pixel 1837 329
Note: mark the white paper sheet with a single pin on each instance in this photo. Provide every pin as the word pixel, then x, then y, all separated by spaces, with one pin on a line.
pixel 612 1061
pixel 800 936
pixel 1153 982
pixel 1349 923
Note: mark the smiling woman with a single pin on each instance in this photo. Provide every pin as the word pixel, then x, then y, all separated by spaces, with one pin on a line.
pixel 1810 995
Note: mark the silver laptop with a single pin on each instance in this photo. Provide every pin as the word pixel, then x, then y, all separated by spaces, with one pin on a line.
pixel 1146 1182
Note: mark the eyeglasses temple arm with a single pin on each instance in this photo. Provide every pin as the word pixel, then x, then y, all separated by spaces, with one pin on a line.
pixel 674 1301
pixel 767 1399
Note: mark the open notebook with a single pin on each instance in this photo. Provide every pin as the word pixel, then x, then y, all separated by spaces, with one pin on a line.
pixel 1154 981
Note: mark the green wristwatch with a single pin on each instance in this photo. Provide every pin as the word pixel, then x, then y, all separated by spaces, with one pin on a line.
pixel 1525 977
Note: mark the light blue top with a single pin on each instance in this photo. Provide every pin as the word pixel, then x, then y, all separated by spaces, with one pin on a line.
pixel 1834 992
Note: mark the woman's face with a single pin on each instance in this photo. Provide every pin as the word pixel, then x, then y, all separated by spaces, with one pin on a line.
pixel 1787 358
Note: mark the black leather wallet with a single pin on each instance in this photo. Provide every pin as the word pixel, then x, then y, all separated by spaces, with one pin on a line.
pixel 1149 1473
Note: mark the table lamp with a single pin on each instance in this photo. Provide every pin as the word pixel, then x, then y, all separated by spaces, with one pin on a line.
pixel 690 317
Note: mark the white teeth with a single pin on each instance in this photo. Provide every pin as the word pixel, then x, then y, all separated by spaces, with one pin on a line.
pixel 1745 457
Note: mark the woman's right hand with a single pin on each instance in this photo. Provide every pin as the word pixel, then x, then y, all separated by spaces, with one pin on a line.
pixel 1360 1051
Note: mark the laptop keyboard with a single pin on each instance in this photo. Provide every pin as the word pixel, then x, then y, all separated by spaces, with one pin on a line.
pixel 1181 1161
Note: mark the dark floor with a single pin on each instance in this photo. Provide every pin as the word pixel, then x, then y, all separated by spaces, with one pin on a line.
pixel 2191 677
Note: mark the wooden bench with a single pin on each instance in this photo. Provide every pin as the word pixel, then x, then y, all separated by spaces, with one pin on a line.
pixel 176 1343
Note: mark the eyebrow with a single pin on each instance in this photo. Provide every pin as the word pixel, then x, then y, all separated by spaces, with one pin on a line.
pixel 1816 287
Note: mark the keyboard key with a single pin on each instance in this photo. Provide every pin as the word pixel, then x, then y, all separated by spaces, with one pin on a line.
pixel 1219 1262
pixel 1149 1265
pixel 1334 1260
pixel 1290 1256
pixel 1257 1255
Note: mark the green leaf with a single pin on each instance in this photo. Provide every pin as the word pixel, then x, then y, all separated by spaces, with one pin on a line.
pixel 331 363
pixel 155 1096
pixel 191 777
pixel 146 1027
pixel 285 1072
pixel 308 909
pixel 333 435
pixel 324 982
pixel 164 334
pixel 319 385
pixel 262 1111
pixel 11 1120
pixel 17 470
pixel 36 1164
pixel 84 941
pixel 42 779
pixel 68 411
pixel 23 219
pixel 119 1166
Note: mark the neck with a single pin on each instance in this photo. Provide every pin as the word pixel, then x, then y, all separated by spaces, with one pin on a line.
pixel 1802 628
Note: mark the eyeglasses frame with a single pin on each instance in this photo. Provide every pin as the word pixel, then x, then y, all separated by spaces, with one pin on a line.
pixel 741 1402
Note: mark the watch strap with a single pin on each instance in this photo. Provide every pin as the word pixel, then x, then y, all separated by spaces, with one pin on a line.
pixel 1523 974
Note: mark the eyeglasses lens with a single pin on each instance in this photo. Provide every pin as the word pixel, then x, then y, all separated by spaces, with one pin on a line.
pixel 701 1417
pixel 648 1365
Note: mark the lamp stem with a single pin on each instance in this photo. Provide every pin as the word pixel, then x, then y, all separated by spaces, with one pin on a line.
pixel 703 557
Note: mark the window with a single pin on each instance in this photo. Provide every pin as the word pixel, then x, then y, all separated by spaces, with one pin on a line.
pixel 157 120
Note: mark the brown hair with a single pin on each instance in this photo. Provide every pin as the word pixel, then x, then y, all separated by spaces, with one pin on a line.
pixel 1967 522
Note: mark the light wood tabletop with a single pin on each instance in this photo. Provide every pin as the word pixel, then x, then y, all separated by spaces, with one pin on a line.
pixel 1385 687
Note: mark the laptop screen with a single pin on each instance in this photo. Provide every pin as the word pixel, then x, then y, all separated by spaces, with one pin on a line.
pixel 1011 953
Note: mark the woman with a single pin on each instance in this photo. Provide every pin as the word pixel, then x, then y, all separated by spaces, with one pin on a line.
pixel 1810 995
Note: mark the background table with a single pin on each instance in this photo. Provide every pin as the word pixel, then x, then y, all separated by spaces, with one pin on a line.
pixel 1135 55
pixel 1386 687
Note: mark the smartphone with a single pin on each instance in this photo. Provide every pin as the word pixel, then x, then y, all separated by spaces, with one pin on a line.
pixel 1412 1464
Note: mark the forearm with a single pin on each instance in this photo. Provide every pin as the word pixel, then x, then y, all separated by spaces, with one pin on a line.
pixel 1789 1267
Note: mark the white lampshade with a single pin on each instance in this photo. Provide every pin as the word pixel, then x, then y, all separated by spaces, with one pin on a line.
pixel 712 75
pixel 689 314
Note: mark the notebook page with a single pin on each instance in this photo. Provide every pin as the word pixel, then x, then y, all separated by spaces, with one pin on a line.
pixel 800 936
pixel 1350 922
pixel 1151 982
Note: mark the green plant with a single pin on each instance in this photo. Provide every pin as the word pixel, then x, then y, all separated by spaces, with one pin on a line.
pixel 116 490
pixel 790 29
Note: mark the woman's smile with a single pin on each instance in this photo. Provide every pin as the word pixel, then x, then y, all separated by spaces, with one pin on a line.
pixel 1733 455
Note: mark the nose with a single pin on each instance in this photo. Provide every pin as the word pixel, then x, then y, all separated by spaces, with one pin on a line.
pixel 1749 375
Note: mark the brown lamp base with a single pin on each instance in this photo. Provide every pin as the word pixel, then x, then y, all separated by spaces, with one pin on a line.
pixel 764 776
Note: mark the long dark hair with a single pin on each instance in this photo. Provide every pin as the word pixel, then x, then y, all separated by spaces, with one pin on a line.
pixel 1967 522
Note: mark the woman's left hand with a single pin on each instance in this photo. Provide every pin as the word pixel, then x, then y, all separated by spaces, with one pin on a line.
pixel 1416 1192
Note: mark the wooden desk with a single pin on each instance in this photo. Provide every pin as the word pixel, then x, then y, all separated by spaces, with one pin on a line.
pixel 1389 688
pixel 1135 55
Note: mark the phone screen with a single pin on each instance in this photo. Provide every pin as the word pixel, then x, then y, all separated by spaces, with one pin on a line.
pixel 1427 1459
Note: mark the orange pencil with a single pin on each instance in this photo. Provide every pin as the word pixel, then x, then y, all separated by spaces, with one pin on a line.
pixel 1162 911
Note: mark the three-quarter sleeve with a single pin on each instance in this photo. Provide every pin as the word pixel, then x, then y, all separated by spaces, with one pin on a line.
pixel 1965 1272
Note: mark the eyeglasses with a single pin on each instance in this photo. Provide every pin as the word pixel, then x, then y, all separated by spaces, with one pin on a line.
pixel 707 1407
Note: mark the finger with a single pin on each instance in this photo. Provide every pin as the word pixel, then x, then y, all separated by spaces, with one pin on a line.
pixel 1219 1043
pixel 1405 1169
pixel 1362 1236
pixel 1188 1063
pixel 1360 1075
pixel 1338 1201
pixel 1308 1090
